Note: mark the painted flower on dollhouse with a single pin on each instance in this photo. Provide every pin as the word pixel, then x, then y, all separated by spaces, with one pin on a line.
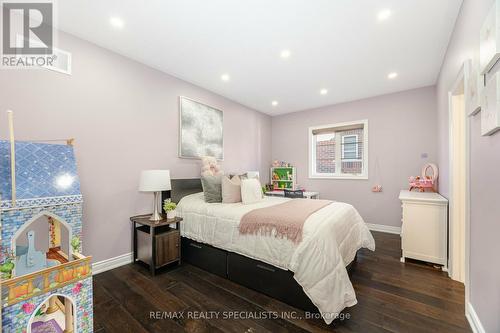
pixel 77 288
pixel 28 308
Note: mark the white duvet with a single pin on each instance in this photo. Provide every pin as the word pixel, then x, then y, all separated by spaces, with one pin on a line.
pixel 331 237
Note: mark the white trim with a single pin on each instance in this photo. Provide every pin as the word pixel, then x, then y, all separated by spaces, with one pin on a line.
pixel 462 77
pixel 337 175
pixel 474 322
pixel 333 176
pixel 108 264
pixel 389 229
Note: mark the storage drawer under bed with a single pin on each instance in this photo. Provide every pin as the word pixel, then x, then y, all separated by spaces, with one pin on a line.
pixel 204 256
pixel 254 274
pixel 269 280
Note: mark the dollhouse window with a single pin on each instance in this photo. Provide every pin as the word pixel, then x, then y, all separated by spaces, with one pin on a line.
pixel 339 151
pixel 44 234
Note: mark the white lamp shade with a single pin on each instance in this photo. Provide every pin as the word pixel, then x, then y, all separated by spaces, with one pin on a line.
pixel 155 180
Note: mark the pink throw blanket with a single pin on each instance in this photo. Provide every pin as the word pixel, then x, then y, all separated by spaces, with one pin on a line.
pixel 287 218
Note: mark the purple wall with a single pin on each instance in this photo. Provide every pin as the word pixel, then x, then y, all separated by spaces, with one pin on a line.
pixel 401 127
pixel 124 116
pixel 485 176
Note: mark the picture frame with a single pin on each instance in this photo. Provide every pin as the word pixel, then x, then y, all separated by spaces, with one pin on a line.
pixel 489 45
pixel 201 130
pixel 490 110
pixel 474 85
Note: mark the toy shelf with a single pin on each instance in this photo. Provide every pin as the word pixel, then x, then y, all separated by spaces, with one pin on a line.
pixel 23 287
pixel 284 178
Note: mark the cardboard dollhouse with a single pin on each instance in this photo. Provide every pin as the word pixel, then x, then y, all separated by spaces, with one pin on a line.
pixel 46 281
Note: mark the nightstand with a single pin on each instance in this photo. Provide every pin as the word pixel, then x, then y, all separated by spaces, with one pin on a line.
pixel 156 243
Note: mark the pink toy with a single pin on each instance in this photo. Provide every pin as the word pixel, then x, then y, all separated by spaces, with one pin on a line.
pixel 426 181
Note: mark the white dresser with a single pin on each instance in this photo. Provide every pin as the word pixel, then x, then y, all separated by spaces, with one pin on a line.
pixel 425 227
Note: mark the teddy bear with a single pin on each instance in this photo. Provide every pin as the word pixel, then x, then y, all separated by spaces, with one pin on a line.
pixel 209 166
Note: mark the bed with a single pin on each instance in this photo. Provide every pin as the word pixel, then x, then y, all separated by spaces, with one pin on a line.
pixel 311 275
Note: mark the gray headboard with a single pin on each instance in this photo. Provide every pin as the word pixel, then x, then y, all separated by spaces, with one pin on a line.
pixel 181 188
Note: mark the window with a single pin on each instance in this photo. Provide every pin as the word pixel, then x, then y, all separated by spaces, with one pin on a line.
pixel 350 147
pixel 339 150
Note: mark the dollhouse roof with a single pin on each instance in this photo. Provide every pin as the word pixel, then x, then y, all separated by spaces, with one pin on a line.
pixel 42 170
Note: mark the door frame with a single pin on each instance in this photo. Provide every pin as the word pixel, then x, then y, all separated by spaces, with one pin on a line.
pixel 462 78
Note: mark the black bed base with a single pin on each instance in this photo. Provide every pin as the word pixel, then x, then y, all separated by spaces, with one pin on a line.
pixel 254 274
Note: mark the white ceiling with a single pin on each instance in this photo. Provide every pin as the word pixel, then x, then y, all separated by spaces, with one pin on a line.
pixel 339 45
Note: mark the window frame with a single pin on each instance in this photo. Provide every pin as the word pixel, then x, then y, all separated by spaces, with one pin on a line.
pixel 356 151
pixel 337 175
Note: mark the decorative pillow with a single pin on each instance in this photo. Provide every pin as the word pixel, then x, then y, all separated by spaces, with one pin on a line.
pixel 212 188
pixel 251 191
pixel 231 189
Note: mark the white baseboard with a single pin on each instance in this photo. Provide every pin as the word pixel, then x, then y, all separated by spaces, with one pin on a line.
pixel 106 265
pixel 473 319
pixel 384 228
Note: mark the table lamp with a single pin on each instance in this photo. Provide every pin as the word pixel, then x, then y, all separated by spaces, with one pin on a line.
pixel 155 181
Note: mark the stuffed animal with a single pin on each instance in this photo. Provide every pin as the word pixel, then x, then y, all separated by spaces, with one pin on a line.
pixel 209 166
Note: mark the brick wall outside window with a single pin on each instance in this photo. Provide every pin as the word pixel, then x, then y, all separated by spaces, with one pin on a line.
pixel 325 154
pixel 354 166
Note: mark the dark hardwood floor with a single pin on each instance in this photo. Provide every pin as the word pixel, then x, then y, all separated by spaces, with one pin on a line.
pixel 392 297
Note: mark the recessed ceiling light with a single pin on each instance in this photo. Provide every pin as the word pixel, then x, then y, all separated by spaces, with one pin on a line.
pixel 285 54
pixel 225 77
pixel 392 75
pixel 116 22
pixel 384 14
pixel 323 91
pixel 274 103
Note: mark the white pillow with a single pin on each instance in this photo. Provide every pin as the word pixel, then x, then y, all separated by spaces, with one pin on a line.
pixel 251 191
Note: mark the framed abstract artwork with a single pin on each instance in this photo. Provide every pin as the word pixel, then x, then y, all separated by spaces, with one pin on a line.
pixel 474 84
pixel 490 108
pixel 489 47
pixel 201 131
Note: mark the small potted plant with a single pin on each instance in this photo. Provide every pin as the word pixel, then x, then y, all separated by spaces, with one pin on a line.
pixel 170 207
pixel 7 260
pixel 75 243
